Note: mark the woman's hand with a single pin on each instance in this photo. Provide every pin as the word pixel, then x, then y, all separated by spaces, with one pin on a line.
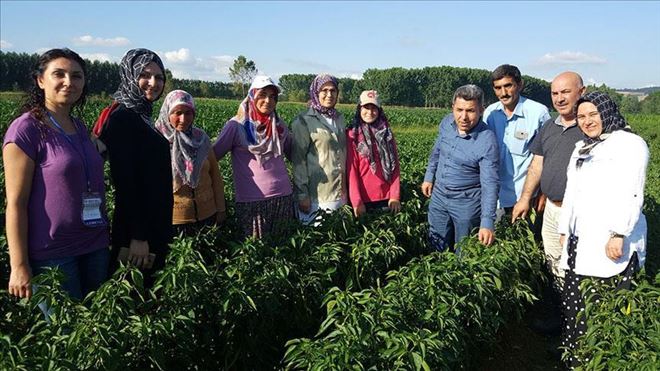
pixel 614 248
pixel 359 211
pixel 220 217
pixel 138 253
pixel 562 239
pixel 304 205
pixel 394 205
pixel 19 281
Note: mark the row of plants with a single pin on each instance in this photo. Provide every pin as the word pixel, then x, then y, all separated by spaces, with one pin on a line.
pixel 217 303
pixel 431 314
pixel 623 330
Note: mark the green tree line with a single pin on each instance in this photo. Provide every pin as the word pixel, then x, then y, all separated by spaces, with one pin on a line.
pixel 412 87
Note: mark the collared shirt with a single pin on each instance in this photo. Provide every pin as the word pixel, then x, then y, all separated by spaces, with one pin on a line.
pixel 555 143
pixel 461 162
pixel 319 157
pixel 514 136
pixel 606 195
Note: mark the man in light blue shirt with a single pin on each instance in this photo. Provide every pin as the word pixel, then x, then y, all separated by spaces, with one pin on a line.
pixel 515 121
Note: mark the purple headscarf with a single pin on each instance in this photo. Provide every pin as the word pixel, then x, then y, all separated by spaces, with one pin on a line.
pixel 314 90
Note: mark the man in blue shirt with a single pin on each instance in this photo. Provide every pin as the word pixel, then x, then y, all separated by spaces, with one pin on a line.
pixel 463 163
pixel 515 121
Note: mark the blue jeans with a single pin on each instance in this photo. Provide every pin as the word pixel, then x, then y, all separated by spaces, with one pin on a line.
pixel 452 216
pixel 82 273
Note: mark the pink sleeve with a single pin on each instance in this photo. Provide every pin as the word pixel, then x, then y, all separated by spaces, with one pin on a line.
pixel 395 187
pixel 353 168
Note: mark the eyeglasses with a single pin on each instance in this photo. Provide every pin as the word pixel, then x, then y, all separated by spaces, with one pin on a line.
pixel 329 91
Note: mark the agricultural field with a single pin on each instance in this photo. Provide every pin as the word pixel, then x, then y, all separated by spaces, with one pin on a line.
pixel 350 294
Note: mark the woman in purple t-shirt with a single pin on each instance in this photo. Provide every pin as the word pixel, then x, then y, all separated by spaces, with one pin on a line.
pixel 54 180
pixel 258 141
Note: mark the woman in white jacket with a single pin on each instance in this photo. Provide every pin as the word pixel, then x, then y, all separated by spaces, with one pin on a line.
pixel 602 210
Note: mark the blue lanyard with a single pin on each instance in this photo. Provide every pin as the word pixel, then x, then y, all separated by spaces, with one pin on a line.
pixel 82 145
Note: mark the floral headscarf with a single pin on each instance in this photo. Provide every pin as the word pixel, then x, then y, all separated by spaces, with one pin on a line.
pixel 609 115
pixel 129 93
pixel 314 90
pixel 362 132
pixel 189 148
pixel 262 132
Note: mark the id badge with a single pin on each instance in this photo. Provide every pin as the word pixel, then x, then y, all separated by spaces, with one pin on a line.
pixel 91 210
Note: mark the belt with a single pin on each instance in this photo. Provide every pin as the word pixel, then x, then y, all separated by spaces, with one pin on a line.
pixel 556 203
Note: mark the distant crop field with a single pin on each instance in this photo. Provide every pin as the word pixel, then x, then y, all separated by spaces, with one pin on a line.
pixel 349 294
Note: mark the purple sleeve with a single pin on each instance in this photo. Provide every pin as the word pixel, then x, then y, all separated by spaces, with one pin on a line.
pixel 286 135
pixel 226 139
pixel 25 134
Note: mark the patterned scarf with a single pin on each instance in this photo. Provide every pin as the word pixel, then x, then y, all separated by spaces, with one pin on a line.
pixel 610 117
pixel 314 91
pixel 189 148
pixel 129 93
pixel 262 132
pixel 384 142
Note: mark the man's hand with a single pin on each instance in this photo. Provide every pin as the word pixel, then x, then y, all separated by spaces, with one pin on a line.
pixel 520 210
pixel 540 203
pixel 427 189
pixel 486 236
pixel 614 248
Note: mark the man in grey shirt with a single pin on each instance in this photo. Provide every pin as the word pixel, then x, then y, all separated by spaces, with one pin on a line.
pixel 552 150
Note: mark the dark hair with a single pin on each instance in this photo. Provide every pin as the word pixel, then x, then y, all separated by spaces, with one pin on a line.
pixel 506 70
pixel 469 92
pixel 36 99
pixel 357 120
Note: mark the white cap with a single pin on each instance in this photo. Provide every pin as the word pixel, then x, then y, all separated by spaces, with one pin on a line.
pixel 261 81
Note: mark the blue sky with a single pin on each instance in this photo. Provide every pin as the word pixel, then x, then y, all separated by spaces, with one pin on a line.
pixel 617 43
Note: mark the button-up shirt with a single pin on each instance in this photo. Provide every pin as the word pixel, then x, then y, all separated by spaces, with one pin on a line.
pixel 461 162
pixel 606 195
pixel 514 135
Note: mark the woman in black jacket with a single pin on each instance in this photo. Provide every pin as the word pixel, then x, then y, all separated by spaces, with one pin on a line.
pixel 139 165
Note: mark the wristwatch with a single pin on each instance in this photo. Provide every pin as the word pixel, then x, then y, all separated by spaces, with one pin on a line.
pixel 616 235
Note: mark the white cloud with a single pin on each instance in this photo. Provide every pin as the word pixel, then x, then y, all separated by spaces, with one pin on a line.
pixel 98 41
pixel 4 44
pixel 101 57
pixel 569 57
pixel 592 81
pixel 180 56
pixel 185 65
